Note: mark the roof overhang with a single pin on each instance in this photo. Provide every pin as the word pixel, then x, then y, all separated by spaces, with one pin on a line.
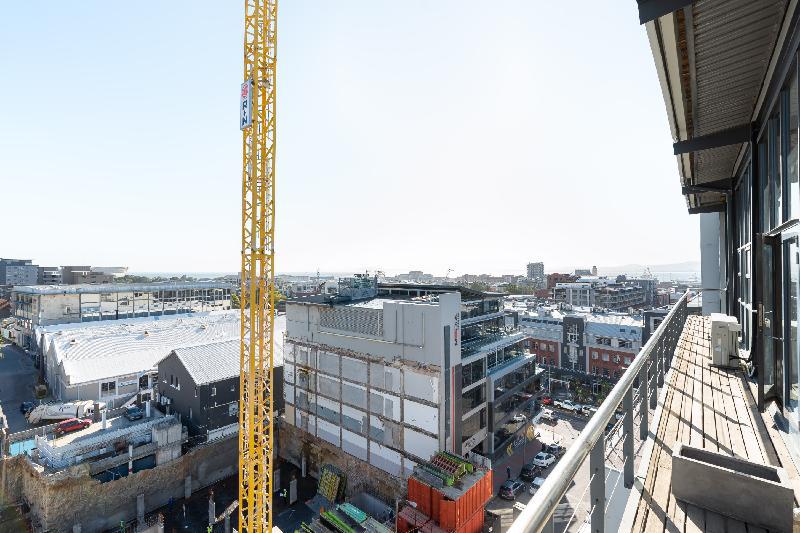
pixel 714 60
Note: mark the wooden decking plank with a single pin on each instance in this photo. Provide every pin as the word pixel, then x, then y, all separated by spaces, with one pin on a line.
pixel 710 441
pixel 734 428
pixel 720 415
pixel 751 444
pixel 676 515
pixel 696 369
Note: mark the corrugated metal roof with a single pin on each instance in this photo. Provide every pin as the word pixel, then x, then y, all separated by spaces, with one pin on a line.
pixel 713 62
pixel 209 363
pixel 93 351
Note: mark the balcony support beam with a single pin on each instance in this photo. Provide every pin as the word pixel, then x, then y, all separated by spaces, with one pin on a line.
pixel 650 10
pixel 736 135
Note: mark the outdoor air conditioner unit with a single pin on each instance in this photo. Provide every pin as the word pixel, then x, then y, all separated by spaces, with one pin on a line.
pixel 724 339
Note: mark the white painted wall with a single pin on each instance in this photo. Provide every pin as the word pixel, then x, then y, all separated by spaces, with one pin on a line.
pixel 710 258
pixel 419 444
pixel 421 416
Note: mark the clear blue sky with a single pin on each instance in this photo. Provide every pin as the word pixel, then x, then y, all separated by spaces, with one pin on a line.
pixel 427 135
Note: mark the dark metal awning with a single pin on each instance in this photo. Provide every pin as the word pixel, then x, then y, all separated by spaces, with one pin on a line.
pixel 712 59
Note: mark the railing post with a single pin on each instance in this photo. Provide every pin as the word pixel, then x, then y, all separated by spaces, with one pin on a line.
pixel 660 352
pixel 549 526
pixel 627 443
pixel 653 377
pixel 643 383
pixel 597 488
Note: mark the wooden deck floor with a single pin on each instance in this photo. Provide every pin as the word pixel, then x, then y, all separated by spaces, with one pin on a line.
pixel 702 406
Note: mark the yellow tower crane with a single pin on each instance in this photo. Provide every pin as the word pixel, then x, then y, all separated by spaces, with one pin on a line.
pixel 257 122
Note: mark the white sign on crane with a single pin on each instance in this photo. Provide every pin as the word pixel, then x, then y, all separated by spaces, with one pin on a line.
pixel 246 106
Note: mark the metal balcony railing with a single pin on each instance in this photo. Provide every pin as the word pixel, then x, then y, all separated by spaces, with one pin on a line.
pixel 647 369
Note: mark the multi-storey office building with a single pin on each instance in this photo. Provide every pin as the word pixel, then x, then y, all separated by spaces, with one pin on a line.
pixel 44 305
pixel 18 272
pixel 392 374
pixel 48 276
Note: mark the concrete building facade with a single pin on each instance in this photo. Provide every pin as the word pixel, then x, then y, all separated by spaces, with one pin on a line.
pixel 45 305
pixel 402 371
pixel 18 272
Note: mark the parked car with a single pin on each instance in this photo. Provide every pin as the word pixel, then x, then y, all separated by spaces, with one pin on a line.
pixel 510 489
pixel 548 416
pixel 588 410
pixel 530 471
pixel 519 417
pixel 72 424
pixel 26 407
pixel 554 449
pixel 544 459
pixel 567 405
pixel 535 485
pixel 134 413
pixel 547 400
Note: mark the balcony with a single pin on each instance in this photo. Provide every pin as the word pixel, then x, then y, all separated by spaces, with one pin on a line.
pixel 621 480
pixel 489 343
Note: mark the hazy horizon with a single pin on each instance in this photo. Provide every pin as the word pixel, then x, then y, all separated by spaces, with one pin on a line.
pixel 407 139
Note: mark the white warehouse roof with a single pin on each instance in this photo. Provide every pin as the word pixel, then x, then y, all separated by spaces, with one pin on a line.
pixel 93 351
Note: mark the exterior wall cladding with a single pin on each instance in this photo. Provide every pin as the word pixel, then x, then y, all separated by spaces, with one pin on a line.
pixel 383 379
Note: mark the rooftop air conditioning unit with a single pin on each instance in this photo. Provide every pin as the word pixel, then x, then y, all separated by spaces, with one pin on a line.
pixel 724 339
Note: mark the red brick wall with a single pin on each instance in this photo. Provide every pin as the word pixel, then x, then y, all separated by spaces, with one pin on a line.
pixel 610 364
pixel 536 346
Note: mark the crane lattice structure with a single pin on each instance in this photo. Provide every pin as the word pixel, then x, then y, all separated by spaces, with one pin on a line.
pixel 258 268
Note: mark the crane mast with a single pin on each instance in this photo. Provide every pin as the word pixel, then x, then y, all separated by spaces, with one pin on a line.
pixel 258 267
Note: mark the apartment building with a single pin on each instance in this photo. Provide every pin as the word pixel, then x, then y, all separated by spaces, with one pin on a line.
pixel 48 276
pixel 44 305
pixel 391 374
pixel 18 272
pixel 600 344
pixel 616 295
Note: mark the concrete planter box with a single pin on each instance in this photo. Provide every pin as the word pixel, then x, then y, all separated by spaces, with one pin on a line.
pixel 754 493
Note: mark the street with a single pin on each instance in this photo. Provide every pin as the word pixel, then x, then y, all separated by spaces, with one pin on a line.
pixel 17 379
pixel 564 432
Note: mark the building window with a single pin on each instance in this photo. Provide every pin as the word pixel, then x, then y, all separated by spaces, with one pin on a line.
pixel 627 360
pixel 605 372
pixel 594 355
pixel 109 388
pixel 213 391
pixel 605 357
pixel 606 341
pixel 190 413
pixel 195 392
pixel 623 343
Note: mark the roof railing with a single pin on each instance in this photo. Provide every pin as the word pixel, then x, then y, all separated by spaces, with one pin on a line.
pixel 638 385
